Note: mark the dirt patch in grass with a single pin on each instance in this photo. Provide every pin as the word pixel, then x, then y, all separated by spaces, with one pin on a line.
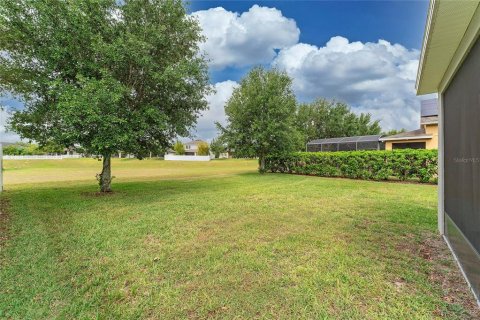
pixel 445 273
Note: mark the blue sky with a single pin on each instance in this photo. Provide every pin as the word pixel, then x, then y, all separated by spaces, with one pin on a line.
pixel 364 53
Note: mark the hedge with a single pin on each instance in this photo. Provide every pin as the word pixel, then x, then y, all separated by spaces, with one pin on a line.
pixel 417 165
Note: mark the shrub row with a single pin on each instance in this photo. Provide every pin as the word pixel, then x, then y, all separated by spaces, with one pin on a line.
pixel 408 164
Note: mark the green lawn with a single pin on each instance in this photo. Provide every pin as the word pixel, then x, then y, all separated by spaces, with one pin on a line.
pixel 217 240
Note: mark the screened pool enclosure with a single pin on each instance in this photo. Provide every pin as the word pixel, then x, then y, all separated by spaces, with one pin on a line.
pixel 371 142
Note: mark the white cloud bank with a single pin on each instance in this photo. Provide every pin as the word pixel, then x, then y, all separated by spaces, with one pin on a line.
pixel 372 77
pixel 206 128
pixel 378 78
pixel 245 39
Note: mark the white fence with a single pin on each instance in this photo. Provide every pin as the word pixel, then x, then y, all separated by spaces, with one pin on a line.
pixel 43 157
pixel 174 157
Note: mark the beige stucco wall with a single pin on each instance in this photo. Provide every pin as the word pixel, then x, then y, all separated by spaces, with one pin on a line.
pixel 432 129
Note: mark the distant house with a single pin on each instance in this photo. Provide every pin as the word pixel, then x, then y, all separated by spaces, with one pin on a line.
pixel 371 142
pixel 191 147
pixel 191 153
pixel 426 137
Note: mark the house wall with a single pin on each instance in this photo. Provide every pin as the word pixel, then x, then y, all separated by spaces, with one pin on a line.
pixel 389 144
pixel 432 129
pixel 191 147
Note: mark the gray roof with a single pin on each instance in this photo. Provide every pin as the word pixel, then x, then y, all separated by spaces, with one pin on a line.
pixel 429 120
pixel 370 138
pixel 419 133
pixel 429 107
pixel 197 141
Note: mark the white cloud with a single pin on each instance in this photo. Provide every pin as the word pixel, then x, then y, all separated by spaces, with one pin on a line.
pixel 245 39
pixel 206 128
pixel 372 77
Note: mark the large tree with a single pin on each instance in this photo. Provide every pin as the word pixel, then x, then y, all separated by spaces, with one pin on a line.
pixel 260 116
pixel 106 75
pixel 330 119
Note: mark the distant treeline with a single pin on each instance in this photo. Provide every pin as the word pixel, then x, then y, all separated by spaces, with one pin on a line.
pixel 29 149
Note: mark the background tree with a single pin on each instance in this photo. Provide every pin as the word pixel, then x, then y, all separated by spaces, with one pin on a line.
pixel 179 148
pixel 203 149
pixel 22 149
pixel 52 148
pixel 105 75
pixel 218 146
pixel 393 131
pixel 260 115
pixel 28 149
pixel 330 119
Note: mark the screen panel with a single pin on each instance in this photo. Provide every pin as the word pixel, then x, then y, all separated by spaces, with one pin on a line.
pixel 347 146
pixel 462 147
pixel 368 145
pixel 408 145
pixel 330 147
pixel 461 104
pixel 314 147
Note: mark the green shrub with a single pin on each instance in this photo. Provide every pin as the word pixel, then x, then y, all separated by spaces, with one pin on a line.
pixel 179 148
pixel 408 164
pixel 203 149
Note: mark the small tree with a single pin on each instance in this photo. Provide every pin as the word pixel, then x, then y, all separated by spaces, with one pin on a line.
pixel 260 115
pixel 323 118
pixel 105 75
pixel 217 146
pixel 179 148
pixel 203 149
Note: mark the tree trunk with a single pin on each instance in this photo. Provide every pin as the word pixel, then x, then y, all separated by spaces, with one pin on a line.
pixel 105 177
pixel 261 162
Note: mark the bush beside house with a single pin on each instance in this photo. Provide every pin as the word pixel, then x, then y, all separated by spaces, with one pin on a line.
pixel 179 148
pixel 203 149
pixel 408 164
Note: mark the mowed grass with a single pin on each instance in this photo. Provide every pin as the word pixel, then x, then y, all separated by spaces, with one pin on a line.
pixel 216 240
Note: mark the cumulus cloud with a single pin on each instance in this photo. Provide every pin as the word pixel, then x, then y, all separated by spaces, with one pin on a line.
pixel 206 128
pixel 378 78
pixel 250 38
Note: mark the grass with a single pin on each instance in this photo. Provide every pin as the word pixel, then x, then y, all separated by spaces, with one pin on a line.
pixel 216 240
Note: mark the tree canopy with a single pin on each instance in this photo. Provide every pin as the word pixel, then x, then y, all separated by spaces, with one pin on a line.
pixel 330 119
pixel 217 146
pixel 393 131
pixel 260 115
pixel 103 74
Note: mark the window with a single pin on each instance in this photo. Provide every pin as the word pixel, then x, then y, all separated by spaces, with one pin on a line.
pixel 409 145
